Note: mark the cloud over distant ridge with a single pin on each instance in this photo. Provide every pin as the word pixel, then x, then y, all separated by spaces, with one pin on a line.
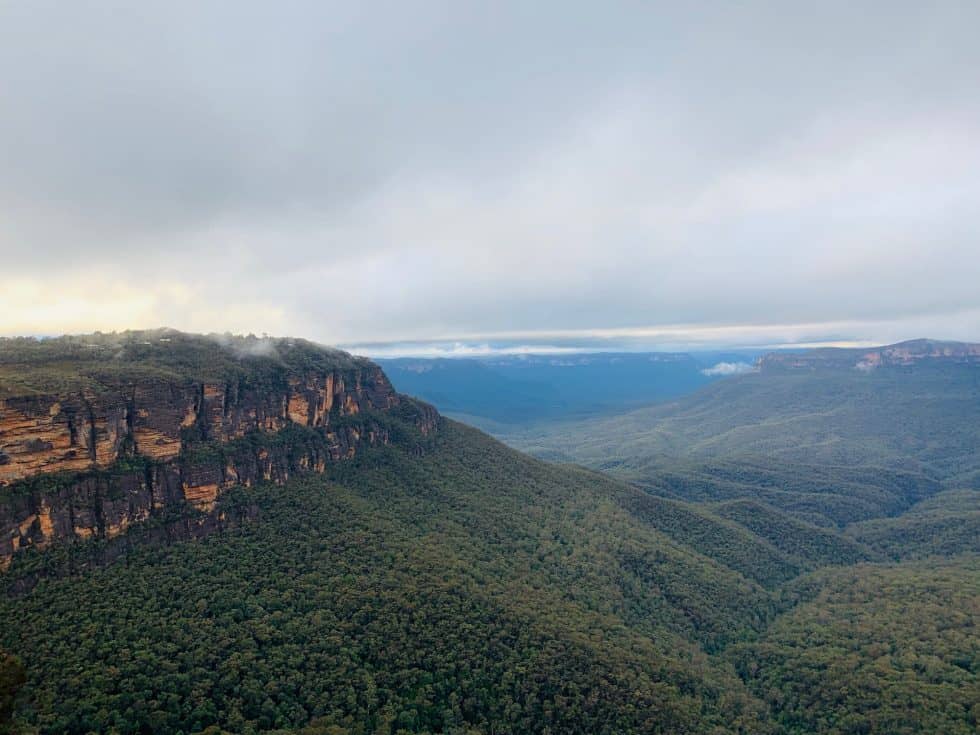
pixel 729 368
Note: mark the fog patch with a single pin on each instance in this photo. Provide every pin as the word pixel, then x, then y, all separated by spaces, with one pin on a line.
pixel 729 368
pixel 250 346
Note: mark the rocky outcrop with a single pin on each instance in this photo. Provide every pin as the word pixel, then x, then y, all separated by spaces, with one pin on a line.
pixel 92 464
pixel 54 433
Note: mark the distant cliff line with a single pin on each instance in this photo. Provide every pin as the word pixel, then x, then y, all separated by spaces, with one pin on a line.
pixel 902 354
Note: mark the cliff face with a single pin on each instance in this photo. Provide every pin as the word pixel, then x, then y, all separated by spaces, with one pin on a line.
pixel 903 354
pixel 92 463
pixel 70 432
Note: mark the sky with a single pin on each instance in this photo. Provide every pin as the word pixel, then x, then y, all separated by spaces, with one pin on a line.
pixel 460 176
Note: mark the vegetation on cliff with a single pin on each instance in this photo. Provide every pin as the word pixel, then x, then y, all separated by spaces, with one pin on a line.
pixel 146 424
pixel 98 362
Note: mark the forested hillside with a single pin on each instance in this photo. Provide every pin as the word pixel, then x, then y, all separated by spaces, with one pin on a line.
pixel 921 419
pixel 471 588
pixel 944 524
pixel 877 650
pixel 440 582
pixel 830 444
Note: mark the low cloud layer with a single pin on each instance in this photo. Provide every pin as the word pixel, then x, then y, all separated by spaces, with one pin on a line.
pixel 729 368
pixel 385 172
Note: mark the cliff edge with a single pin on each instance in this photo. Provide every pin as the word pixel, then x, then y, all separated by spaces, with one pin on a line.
pixel 98 432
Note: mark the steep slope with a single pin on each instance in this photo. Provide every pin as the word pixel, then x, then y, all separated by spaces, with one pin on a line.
pixel 465 587
pixel 524 567
pixel 725 542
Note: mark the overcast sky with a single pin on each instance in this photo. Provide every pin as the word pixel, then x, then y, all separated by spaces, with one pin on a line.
pixel 542 173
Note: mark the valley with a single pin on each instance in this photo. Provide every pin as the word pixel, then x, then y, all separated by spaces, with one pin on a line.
pixel 779 552
pixel 498 393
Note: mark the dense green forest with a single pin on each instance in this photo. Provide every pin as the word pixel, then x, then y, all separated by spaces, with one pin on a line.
pixel 473 589
pixel 779 563
pixel 947 523
pixel 878 650
pixel 89 361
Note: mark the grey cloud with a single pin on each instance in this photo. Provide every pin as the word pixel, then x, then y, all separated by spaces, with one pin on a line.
pixel 423 170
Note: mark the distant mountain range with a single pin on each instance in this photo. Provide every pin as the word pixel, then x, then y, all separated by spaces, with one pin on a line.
pixel 527 388
pixel 903 354
pixel 501 393
pixel 909 410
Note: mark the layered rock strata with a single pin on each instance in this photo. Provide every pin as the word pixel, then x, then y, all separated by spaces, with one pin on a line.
pixel 94 463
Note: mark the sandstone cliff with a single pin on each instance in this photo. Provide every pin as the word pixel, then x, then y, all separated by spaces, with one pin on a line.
pixel 903 354
pixel 160 426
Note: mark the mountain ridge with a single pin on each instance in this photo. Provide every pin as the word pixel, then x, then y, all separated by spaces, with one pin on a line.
pixel 899 354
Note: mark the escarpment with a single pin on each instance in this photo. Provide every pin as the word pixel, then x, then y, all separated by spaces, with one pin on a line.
pixel 142 426
pixel 916 352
